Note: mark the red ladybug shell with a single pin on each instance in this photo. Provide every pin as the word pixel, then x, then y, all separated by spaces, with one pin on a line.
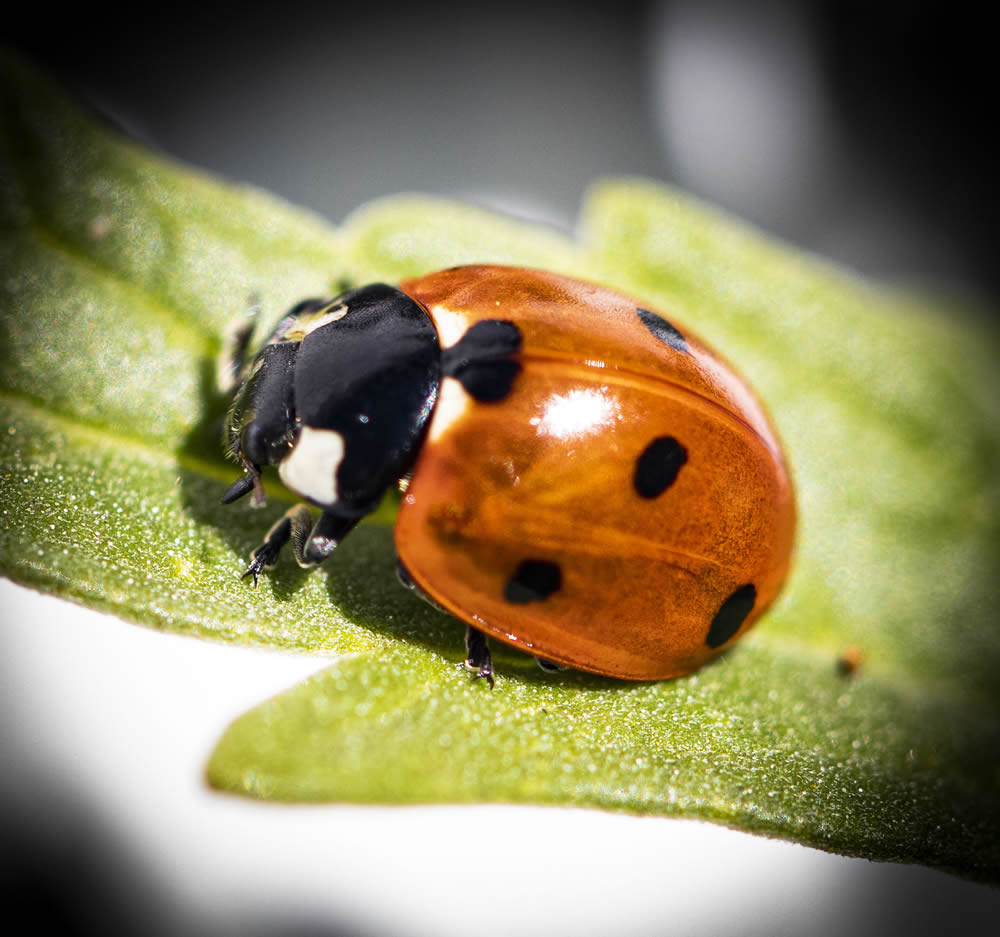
pixel 624 510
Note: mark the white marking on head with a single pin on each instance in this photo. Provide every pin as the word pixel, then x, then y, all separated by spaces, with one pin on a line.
pixel 325 317
pixel 452 403
pixel 450 325
pixel 300 327
pixel 311 467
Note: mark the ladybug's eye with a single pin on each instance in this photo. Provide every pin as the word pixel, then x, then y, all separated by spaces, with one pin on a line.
pixel 267 441
pixel 262 421
pixel 255 446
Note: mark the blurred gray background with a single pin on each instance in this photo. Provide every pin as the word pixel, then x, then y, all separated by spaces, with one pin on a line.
pixel 852 129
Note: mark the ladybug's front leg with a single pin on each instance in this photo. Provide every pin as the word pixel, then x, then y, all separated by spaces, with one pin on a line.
pixel 478 659
pixel 312 543
pixel 324 538
pixel 295 524
pixel 233 354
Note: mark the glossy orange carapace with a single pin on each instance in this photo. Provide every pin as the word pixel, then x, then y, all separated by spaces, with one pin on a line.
pixel 624 509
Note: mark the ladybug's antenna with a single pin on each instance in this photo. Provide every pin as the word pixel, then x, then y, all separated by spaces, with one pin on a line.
pixel 242 486
pixel 249 481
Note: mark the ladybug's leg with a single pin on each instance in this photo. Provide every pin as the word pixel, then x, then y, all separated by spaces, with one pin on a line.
pixel 478 656
pixel 312 543
pixel 406 581
pixel 479 659
pixel 233 355
pixel 294 523
pixel 549 666
pixel 323 539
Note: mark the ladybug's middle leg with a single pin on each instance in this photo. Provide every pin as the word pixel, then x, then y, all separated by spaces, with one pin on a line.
pixel 479 659
pixel 312 543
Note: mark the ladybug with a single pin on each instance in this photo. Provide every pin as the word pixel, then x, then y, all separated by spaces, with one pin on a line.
pixel 581 478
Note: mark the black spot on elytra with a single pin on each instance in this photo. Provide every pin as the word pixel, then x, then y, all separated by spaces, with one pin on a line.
pixel 533 581
pixel 656 469
pixel 482 359
pixel 731 615
pixel 661 329
pixel 489 381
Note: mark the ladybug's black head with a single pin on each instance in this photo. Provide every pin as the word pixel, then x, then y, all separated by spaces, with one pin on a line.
pixel 261 426
pixel 339 399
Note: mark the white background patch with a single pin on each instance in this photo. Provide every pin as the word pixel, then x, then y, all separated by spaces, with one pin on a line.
pixel 311 467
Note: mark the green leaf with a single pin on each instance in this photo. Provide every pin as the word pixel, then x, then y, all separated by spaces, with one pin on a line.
pixel 120 271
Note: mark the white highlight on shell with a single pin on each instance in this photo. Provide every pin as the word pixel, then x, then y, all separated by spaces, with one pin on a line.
pixel 311 467
pixel 452 403
pixel 577 413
